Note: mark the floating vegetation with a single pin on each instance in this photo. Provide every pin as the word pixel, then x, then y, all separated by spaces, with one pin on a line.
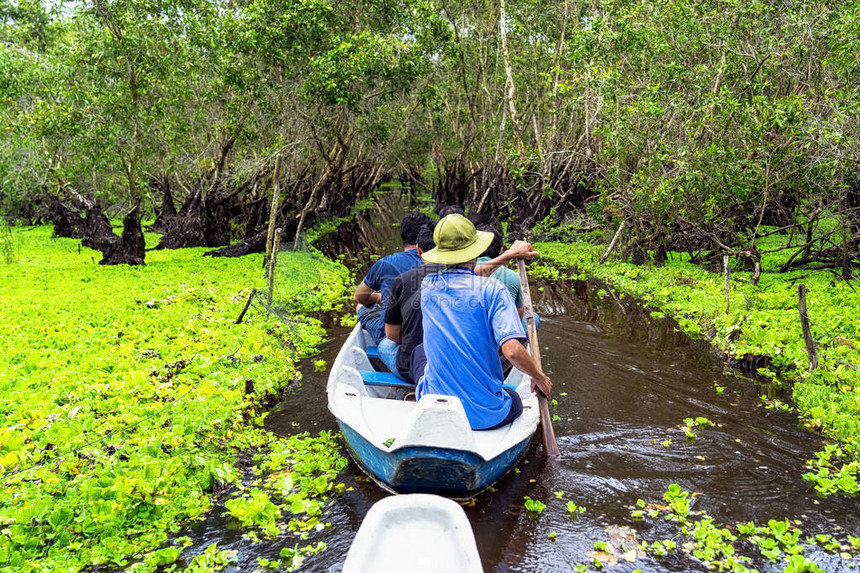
pixel 719 547
pixel 533 506
pixel 833 473
pixel 129 393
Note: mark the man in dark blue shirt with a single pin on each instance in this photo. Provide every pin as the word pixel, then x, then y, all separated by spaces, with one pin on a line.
pixel 372 293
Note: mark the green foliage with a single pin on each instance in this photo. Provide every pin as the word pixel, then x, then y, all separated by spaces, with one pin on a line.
pixel 833 473
pixel 533 506
pixel 212 559
pixel 574 510
pixel 679 502
pixel 718 547
pixel 255 509
pixel 690 424
pixel 302 476
pixel 124 399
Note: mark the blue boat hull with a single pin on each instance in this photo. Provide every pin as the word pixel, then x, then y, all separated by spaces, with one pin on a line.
pixel 451 473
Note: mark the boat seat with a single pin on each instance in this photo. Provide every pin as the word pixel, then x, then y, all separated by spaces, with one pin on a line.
pixel 372 378
pixel 372 352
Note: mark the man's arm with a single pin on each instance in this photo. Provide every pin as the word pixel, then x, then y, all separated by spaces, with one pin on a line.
pixel 394 332
pixel 517 354
pixel 366 296
pixel 519 250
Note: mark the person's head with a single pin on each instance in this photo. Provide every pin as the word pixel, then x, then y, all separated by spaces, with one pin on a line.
pixel 495 248
pixel 457 242
pixel 411 225
pixel 425 238
pixel 451 210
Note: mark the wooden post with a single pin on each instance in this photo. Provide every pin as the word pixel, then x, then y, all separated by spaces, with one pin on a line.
pixel 612 243
pixel 726 274
pixel 247 304
pixel 272 261
pixel 550 446
pixel 804 325
pixel 273 212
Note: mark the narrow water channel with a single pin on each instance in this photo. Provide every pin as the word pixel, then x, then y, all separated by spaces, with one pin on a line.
pixel 624 383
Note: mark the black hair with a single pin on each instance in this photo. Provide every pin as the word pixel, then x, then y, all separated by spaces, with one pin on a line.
pixel 451 210
pixel 425 237
pixel 411 225
pixel 495 248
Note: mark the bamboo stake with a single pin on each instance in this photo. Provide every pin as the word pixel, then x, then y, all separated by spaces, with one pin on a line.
pixel 273 212
pixel 726 273
pixel 804 325
pixel 550 446
pixel 274 259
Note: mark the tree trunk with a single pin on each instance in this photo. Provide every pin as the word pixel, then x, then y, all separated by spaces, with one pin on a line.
pixel 510 87
pixel 97 233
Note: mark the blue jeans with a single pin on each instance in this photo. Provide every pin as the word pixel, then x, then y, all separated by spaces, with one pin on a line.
pixel 387 350
pixel 370 318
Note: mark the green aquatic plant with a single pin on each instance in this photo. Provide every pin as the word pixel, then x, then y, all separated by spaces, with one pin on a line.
pixel 833 473
pixel 659 548
pixel 212 559
pixel 129 393
pixel 698 422
pixel 292 558
pixel 574 510
pixel 800 564
pixel 255 509
pixel 679 503
pixel 533 505
pixel 718 546
pixel 826 542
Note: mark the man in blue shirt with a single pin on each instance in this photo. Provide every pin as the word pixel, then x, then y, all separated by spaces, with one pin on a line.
pixel 466 319
pixel 372 293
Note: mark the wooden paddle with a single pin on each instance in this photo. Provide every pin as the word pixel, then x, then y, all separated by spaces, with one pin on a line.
pixel 550 447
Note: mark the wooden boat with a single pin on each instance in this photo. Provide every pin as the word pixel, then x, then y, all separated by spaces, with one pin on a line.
pixel 425 446
pixel 418 533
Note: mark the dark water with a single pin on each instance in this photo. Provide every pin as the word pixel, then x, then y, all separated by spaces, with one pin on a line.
pixel 629 382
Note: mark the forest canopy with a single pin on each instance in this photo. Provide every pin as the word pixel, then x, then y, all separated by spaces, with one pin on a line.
pixel 702 124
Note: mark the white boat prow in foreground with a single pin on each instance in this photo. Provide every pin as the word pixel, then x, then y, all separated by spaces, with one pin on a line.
pixel 419 533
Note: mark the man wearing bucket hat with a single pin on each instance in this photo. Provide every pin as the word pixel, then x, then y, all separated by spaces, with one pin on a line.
pixel 467 318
